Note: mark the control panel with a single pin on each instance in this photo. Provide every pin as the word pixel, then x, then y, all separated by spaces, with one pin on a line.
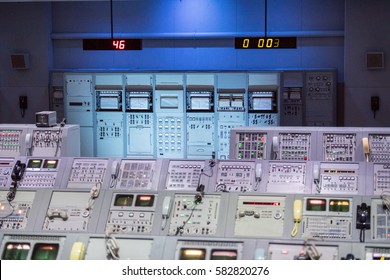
pixel 184 175
pixel 131 213
pixel 263 106
pixel 10 142
pixel 306 251
pixel 292 146
pixel 339 146
pixel 337 178
pixel 231 113
pixel 200 135
pixel 135 174
pixel 193 217
pixel 15 214
pixel 248 145
pixel 292 106
pixel 6 165
pixel 70 211
pixel 327 218
pixel 320 98
pixel 260 216
pixel 381 176
pixel 286 177
pixel 41 173
pixel 87 172
pixel 380 219
pixel 109 140
pixel 379 148
pixel 236 176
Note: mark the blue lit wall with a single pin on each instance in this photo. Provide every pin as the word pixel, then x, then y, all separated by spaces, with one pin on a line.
pixel 198 35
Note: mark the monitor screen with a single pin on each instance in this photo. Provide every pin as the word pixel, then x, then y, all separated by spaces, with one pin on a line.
pixel 50 163
pixel 123 200
pixel 169 102
pixel 45 251
pixel 144 200
pixel 192 254
pixel 34 163
pixel 16 251
pixel 262 103
pixel 315 204
pixel 223 255
pixel 338 205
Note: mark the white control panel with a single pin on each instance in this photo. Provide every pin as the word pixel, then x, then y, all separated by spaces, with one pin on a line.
pixel 85 172
pixel 381 178
pixel 68 211
pixel 339 146
pixel 10 142
pixel 137 174
pixel 170 136
pixel 299 251
pixel 379 145
pixel 339 178
pixel 47 142
pixel 327 218
pixel 380 219
pixel 131 213
pixel 286 177
pixel 260 216
pixel 41 173
pixel 236 176
pixel 184 175
pixel 294 146
pixel 6 165
pixel 14 215
pixel 194 218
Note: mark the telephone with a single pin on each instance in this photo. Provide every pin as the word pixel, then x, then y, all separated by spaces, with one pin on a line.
pixel 363 219
pixel 77 252
pixel 316 177
pixel 366 148
pixel 258 174
pixel 275 146
pixel 18 171
pixel 297 211
pixel 28 143
pixel 114 173
pixel 166 210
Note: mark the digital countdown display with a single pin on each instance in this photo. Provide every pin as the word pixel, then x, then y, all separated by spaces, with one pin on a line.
pixel 266 42
pixel 112 44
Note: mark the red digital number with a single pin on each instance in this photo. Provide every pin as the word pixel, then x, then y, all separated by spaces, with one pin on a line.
pixel 119 44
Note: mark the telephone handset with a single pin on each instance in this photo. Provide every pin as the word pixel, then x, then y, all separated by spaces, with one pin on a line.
pixel 316 177
pixel 363 219
pixel 166 210
pixel 275 146
pixel 114 173
pixel 297 211
pixel 366 148
pixel 115 169
pixel 28 143
pixel 18 171
pixel 258 174
pixel 77 252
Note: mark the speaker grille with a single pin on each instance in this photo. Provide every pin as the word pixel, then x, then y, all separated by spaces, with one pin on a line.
pixel 375 60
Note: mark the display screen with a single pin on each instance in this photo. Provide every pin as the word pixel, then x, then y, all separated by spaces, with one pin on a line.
pixel 34 163
pixel 45 252
pixel 139 103
pixel 123 200
pixel 265 42
pixel 262 203
pixel 109 103
pixel 337 205
pixel 262 103
pixel 144 200
pixel 315 204
pixel 16 251
pixel 200 103
pixel 50 163
pixel 112 44
pixel 169 102
pixel 223 255
pixel 192 254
